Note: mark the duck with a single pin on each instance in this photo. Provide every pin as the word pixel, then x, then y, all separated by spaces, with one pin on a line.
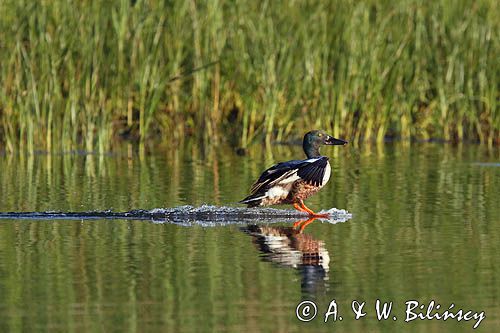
pixel 294 181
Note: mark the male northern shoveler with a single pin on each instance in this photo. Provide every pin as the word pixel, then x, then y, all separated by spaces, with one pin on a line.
pixel 294 181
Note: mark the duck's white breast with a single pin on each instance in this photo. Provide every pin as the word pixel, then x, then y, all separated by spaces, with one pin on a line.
pixel 328 172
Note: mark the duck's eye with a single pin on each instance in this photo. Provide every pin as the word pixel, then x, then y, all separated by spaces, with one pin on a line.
pixel 320 135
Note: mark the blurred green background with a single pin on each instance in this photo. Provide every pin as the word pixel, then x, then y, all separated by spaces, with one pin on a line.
pixel 89 74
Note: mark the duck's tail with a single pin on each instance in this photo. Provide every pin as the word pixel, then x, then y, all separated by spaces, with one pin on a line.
pixel 253 200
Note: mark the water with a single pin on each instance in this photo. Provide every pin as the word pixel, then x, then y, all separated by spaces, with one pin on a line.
pixel 424 226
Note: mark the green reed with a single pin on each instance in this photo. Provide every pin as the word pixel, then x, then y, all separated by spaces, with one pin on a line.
pixel 85 74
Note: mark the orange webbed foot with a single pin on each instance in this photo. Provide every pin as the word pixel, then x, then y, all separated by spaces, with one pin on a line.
pixel 311 213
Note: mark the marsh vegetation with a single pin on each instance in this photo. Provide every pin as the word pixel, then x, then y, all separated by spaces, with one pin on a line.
pixel 87 74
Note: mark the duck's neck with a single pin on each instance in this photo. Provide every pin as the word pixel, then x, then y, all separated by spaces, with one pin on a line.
pixel 311 150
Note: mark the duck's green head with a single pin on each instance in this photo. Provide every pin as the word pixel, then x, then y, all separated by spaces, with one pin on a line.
pixel 313 140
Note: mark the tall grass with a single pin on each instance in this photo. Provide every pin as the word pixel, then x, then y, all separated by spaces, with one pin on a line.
pixel 82 74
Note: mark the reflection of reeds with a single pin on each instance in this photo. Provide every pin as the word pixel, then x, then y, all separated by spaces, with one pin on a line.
pixel 79 74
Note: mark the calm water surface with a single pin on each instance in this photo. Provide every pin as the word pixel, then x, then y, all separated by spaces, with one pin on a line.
pixel 425 226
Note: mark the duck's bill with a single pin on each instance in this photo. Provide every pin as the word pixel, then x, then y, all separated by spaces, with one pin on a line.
pixel 335 142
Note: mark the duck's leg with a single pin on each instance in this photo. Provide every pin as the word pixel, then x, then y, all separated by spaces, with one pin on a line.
pixel 308 210
pixel 299 208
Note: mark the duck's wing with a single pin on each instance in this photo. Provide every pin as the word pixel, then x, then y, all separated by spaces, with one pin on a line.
pixel 275 174
pixel 314 171
pixel 311 170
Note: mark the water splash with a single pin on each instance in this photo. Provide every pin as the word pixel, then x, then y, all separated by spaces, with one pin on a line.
pixel 205 215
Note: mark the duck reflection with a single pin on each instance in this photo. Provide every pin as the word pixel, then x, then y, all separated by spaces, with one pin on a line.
pixel 290 247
